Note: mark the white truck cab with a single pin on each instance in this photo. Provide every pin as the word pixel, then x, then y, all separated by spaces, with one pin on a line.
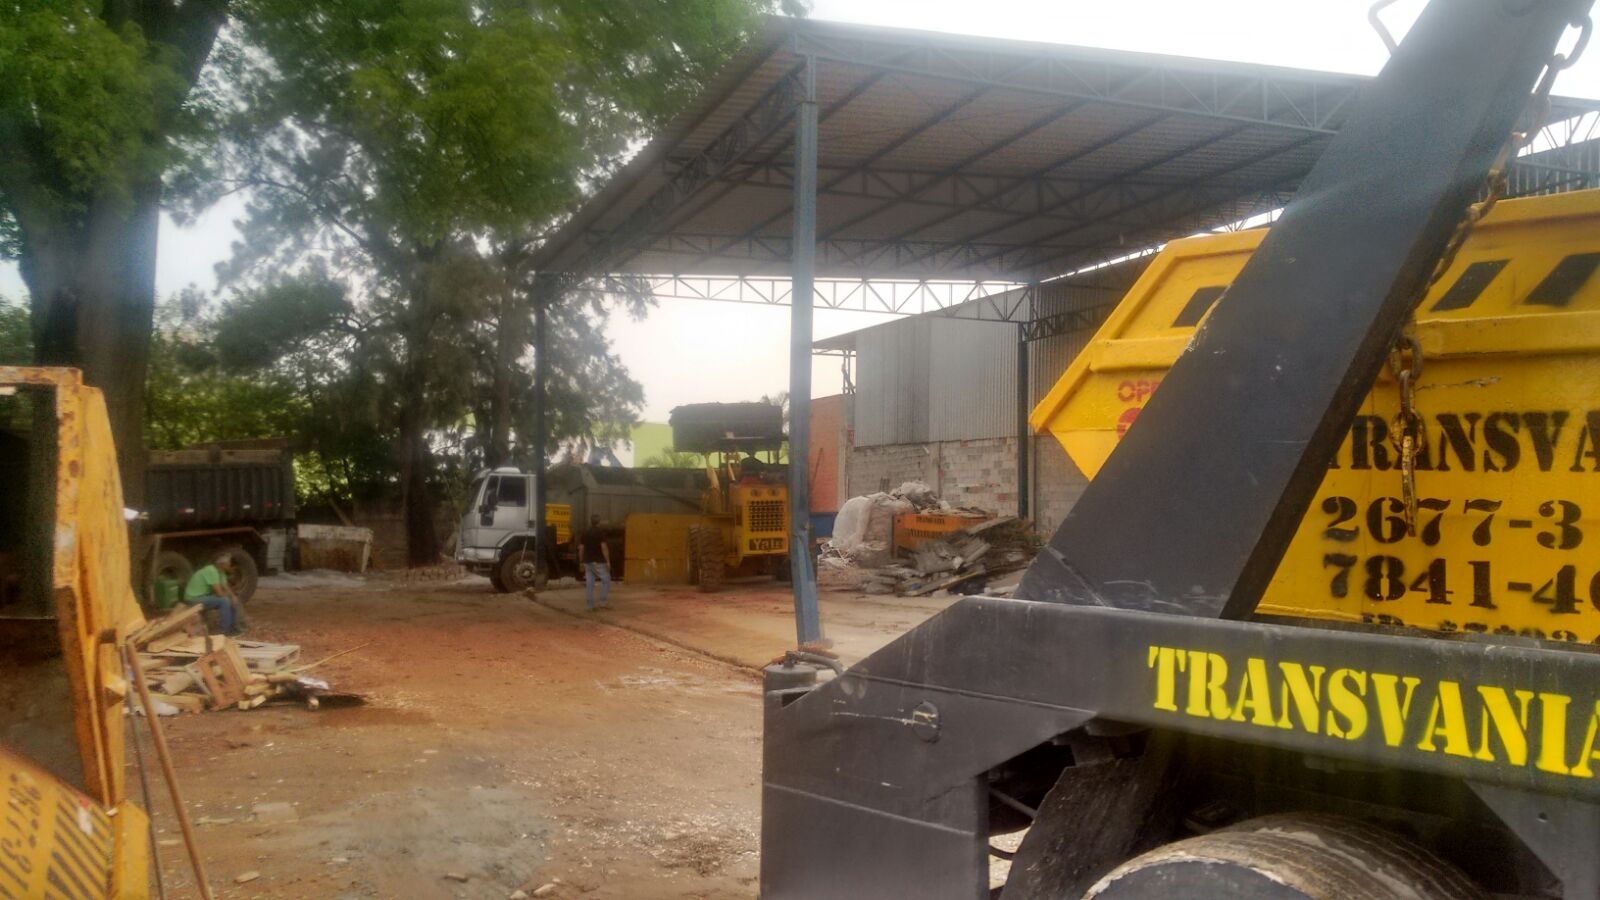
pixel 497 530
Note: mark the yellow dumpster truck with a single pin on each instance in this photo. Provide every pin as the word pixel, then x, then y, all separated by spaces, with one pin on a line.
pixel 66 607
pixel 1325 623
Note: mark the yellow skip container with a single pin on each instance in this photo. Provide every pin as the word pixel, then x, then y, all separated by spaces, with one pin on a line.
pixel 1506 537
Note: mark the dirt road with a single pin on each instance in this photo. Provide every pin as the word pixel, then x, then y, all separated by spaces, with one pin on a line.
pixel 506 745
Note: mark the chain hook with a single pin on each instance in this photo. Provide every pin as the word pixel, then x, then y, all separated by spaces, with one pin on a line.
pixel 1406 431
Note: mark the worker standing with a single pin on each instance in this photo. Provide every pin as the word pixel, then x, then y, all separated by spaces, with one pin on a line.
pixel 595 556
pixel 209 587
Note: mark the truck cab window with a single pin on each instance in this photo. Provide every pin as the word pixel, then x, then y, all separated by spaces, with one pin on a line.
pixel 512 492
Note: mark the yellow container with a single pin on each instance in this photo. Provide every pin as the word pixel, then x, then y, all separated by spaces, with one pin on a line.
pixel 1507 536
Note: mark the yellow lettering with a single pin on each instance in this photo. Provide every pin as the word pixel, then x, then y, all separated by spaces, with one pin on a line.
pixel 1255 691
pixel 1581 768
pixel 1447 718
pixel 1306 694
pixel 1346 687
pixel 1511 725
pixel 1165 661
pixel 1208 672
pixel 1553 734
pixel 1392 711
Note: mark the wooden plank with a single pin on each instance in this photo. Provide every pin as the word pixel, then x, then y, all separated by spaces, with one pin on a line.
pixel 191 703
pixel 172 622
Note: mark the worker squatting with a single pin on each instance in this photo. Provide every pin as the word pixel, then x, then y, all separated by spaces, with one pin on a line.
pixel 1514 727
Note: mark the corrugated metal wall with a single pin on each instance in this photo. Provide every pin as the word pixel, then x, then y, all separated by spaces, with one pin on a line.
pixel 932 378
pixel 972 380
pixel 891 404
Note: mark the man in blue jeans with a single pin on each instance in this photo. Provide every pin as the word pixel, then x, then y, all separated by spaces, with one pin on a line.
pixel 209 587
pixel 595 556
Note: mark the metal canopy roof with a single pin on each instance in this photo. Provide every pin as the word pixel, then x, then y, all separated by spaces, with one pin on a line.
pixel 950 157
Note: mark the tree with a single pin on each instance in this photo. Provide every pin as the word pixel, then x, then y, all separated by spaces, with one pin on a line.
pixel 413 151
pixel 16 334
pixel 95 108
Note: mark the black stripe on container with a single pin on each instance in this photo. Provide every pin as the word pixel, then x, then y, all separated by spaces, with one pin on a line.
pixel 1561 285
pixel 1469 285
pixel 1198 306
pixel 60 866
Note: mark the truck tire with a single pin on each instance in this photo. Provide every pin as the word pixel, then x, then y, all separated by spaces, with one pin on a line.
pixel 245 574
pixel 174 566
pixel 519 571
pixel 707 560
pixel 496 582
pixel 1289 857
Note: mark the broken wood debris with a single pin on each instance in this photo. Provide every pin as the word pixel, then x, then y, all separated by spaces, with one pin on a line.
pixel 964 561
pixel 193 671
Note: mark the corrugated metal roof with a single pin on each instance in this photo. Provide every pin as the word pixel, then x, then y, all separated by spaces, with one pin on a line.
pixel 943 156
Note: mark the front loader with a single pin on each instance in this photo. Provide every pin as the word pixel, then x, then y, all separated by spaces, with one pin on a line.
pixel 1236 670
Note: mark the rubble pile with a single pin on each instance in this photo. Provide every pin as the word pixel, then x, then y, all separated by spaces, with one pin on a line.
pixel 191 671
pixel 963 563
pixel 910 542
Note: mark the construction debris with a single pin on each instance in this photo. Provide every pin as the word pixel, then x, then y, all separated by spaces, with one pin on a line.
pixel 193 671
pixel 963 561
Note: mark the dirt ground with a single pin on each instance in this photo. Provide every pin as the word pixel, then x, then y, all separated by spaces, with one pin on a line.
pixel 507 744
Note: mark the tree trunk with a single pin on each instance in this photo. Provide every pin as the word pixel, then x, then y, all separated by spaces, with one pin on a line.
pixel 92 287
pixel 508 348
pixel 422 540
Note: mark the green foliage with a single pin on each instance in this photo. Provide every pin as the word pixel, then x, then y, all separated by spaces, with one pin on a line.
pixel 672 459
pixel 16 336
pixel 190 399
pixel 402 158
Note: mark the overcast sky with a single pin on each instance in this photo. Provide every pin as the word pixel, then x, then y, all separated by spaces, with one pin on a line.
pixel 669 353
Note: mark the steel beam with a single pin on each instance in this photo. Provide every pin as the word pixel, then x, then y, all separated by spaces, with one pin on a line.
pixel 771 112
pixel 807 617
pixel 1001 301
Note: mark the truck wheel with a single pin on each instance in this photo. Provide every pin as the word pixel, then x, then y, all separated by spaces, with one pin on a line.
pixel 707 560
pixel 173 566
pixel 245 574
pixel 1288 857
pixel 519 571
pixel 496 582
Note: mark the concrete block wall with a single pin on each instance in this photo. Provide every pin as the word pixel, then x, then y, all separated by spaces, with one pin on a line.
pixel 1057 484
pixel 875 469
pixel 980 473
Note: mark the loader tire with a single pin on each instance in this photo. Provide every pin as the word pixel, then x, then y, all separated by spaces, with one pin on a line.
pixel 707 559
pixel 1289 857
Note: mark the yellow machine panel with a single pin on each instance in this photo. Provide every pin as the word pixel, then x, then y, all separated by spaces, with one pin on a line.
pixel 762 520
pixel 1507 482
pixel 658 547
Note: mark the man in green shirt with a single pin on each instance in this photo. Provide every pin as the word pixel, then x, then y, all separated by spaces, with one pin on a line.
pixel 209 588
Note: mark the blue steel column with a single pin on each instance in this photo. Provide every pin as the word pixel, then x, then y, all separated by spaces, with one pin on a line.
pixel 807 619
